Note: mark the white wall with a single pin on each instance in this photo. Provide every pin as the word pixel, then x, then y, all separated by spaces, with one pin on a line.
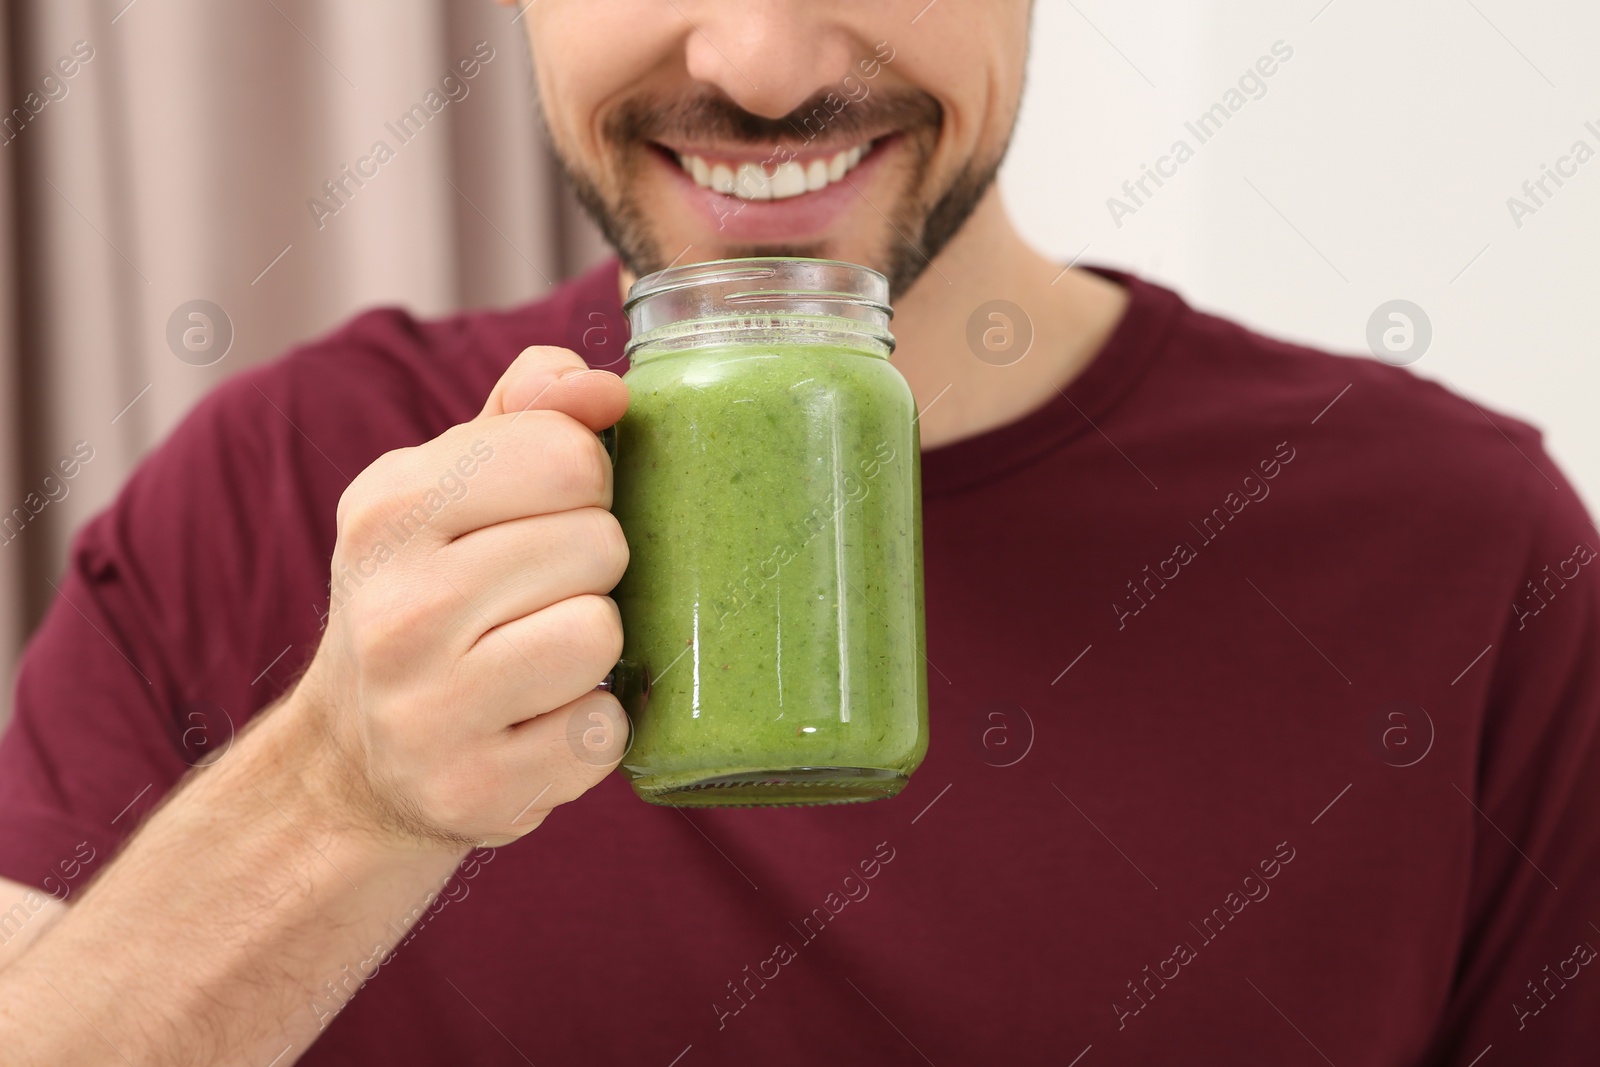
pixel 1391 141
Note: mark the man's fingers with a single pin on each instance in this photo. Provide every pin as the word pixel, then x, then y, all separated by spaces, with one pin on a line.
pixel 557 379
pixel 543 660
pixel 558 756
pixel 533 450
pixel 533 464
pixel 516 568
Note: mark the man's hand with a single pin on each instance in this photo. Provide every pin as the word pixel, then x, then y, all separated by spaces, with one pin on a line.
pixel 458 659
pixel 468 623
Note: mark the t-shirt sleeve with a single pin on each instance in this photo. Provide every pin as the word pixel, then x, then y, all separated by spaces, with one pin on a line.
pixel 1527 978
pixel 199 595
pixel 118 693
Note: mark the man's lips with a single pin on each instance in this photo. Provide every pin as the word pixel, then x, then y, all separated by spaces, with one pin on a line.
pixel 799 199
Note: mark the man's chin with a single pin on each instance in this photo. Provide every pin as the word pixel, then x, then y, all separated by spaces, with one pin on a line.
pixel 627 227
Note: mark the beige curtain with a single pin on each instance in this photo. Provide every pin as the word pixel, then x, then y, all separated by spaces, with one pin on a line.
pixel 159 152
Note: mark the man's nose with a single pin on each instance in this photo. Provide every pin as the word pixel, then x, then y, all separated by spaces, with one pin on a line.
pixel 768 56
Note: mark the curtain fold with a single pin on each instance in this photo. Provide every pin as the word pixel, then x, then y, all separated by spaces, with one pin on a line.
pixel 13 616
pixel 286 162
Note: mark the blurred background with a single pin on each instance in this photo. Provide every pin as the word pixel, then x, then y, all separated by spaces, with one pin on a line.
pixel 1382 160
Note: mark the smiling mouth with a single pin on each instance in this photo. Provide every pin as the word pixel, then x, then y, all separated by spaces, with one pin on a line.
pixel 750 180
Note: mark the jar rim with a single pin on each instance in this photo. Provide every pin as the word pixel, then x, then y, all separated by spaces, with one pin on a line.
pixel 724 291
pixel 872 294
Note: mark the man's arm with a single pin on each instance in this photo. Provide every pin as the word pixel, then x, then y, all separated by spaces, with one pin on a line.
pixel 434 716
pixel 1524 984
pixel 210 938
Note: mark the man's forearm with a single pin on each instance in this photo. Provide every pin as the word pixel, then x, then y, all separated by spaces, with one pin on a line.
pixel 211 937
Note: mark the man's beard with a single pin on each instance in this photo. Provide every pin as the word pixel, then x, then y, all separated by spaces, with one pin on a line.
pixel 921 223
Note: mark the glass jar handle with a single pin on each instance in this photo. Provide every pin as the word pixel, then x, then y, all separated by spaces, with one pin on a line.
pixel 608 439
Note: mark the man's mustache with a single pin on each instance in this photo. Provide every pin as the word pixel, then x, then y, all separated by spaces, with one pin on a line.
pixel 833 115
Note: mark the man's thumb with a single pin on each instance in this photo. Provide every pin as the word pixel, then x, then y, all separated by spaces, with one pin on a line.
pixel 545 378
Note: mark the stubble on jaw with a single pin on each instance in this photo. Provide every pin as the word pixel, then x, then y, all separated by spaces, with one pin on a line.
pixel 916 230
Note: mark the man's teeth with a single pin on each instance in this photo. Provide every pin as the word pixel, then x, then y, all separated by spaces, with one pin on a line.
pixel 749 181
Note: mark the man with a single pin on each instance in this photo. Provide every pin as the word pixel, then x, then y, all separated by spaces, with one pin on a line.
pixel 1264 706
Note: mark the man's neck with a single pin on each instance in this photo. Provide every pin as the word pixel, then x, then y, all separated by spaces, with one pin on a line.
pixel 948 318
pixel 963 353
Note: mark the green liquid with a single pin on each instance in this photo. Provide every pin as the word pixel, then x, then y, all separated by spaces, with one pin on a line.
pixel 770 496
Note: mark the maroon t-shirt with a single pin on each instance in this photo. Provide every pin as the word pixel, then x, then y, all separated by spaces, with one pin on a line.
pixel 1265 727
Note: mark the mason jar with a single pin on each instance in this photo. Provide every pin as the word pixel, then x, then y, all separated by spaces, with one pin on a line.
pixel 768 482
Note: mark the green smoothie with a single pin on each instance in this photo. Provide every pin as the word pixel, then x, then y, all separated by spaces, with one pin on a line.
pixel 772 608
